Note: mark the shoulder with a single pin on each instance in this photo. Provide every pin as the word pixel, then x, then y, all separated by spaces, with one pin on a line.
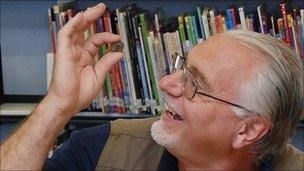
pixel 81 151
pixel 290 159
pixel 97 133
pixel 133 127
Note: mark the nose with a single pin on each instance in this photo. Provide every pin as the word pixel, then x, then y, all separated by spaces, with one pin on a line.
pixel 172 84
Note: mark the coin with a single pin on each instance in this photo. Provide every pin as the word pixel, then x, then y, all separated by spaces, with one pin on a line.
pixel 117 47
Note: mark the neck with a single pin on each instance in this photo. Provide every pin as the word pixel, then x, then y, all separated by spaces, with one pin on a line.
pixel 233 162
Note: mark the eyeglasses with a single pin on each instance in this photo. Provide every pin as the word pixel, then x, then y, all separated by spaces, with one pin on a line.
pixel 190 86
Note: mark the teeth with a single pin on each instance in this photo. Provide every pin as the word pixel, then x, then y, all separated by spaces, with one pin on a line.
pixel 171 109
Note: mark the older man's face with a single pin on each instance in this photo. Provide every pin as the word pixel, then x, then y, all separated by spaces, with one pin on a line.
pixel 205 125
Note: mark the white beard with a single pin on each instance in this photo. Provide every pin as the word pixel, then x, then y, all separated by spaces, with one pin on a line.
pixel 162 136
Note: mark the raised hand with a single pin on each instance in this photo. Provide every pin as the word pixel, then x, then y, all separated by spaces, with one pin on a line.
pixel 75 82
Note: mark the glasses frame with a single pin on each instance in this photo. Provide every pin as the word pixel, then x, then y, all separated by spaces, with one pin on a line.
pixel 184 68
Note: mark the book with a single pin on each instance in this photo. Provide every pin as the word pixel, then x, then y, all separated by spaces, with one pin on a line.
pixel 262 14
pixel 199 16
pixel 189 30
pixel 212 21
pixel 242 18
pixel 181 31
pixel 194 29
pixel 205 21
pixel 286 31
pixel 273 28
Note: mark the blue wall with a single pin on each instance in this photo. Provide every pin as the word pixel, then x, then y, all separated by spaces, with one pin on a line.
pixel 25 35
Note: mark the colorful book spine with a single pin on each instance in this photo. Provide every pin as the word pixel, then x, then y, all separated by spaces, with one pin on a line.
pixel 182 34
pixel 200 21
pixel 287 34
pixel 230 25
pixel 194 29
pixel 189 30
pixel 144 30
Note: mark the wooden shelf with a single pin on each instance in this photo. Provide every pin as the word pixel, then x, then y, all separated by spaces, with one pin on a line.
pixel 24 109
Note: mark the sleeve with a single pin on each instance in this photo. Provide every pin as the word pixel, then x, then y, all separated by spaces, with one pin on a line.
pixel 81 151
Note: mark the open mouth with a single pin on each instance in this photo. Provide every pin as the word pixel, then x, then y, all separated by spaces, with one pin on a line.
pixel 172 113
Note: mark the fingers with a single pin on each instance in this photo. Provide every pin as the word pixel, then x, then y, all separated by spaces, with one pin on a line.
pixel 93 43
pixel 79 23
pixel 90 15
pixel 104 65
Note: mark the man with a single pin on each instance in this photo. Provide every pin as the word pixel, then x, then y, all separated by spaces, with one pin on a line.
pixel 232 104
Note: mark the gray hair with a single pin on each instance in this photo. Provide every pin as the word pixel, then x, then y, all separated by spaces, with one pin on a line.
pixel 276 92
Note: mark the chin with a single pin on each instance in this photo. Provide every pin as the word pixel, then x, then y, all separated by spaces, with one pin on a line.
pixel 163 137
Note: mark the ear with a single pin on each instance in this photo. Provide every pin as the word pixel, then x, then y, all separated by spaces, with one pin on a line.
pixel 249 130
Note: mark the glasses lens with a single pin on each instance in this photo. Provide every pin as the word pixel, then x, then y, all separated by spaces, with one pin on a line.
pixel 177 63
pixel 189 85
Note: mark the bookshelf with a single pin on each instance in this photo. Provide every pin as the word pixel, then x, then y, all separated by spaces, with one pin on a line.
pixel 25 42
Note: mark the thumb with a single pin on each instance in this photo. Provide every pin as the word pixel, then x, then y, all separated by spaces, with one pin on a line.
pixel 104 65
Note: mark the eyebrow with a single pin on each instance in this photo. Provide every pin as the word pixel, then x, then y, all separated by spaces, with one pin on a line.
pixel 201 77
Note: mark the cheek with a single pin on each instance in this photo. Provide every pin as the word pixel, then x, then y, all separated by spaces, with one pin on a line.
pixel 210 125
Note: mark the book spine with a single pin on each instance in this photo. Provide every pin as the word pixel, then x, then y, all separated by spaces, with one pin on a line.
pixel 181 30
pixel 262 15
pixel 194 29
pixel 149 62
pixel 166 47
pixel 178 43
pixel 259 10
pixel 142 64
pixel 189 30
pixel 287 35
pixel 154 64
pixel 290 25
pixel 219 24
pixel 145 65
pixel 281 29
pixel 273 30
pixel 296 31
pixel 242 18
pixel 199 14
pixel 212 22
pixel 132 23
pixel 233 15
pixel 161 47
pixel 161 59
pixel 229 19
pixel 206 25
